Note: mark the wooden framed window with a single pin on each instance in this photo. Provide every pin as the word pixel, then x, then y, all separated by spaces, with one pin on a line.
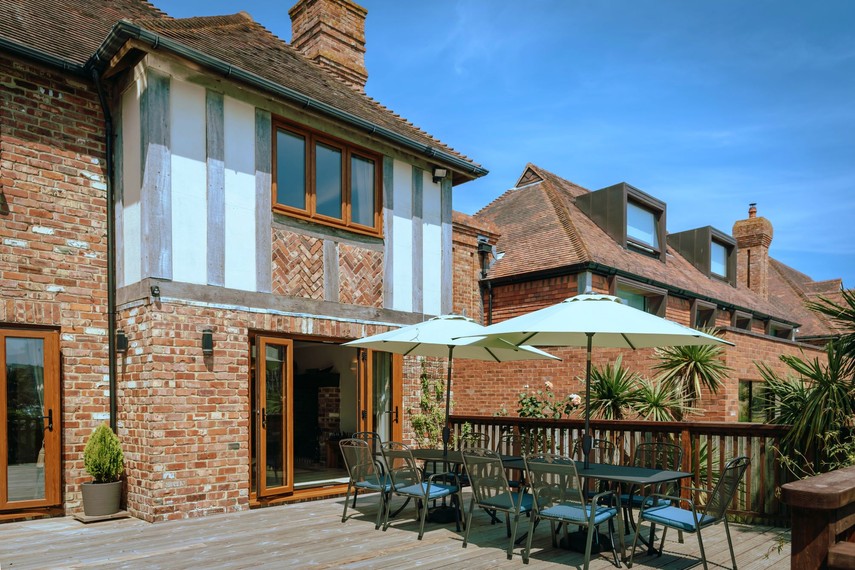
pixel 326 180
pixel 644 297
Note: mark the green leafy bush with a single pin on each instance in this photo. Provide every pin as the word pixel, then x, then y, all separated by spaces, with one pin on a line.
pixel 102 456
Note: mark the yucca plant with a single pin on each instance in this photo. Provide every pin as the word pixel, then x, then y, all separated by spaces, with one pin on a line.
pixel 659 402
pixel 690 369
pixel 843 315
pixel 613 390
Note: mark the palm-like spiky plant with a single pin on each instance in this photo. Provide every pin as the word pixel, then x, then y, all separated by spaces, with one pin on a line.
pixel 613 390
pixel 843 315
pixel 659 402
pixel 690 369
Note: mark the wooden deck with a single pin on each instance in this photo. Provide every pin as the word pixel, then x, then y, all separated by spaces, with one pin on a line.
pixel 311 535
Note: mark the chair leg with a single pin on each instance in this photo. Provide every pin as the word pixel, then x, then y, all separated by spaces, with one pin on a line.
pixel 588 540
pixel 355 493
pixel 380 509
pixel 513 534
pixel 634 543
pixel 531 525
pixel 468 521
pixel 701 545
pixel 422 518
pixel 346 500
pixel 729 543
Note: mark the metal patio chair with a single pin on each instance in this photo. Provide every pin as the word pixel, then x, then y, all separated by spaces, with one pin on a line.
pixel 689 518
pixel 364 474
pixel 652 455
pixel 408 481
pixel 602 451
pixel 559 497
pixel 492 492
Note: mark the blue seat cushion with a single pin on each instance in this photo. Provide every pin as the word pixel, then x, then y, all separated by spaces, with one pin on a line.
pixel 636 501
pixel 437 490
pixel 676 518
pixel 575 513
pixel 374 484
pixel 508 501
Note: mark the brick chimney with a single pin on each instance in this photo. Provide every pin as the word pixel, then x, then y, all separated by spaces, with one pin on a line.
pixel 332 33
pixel 753 237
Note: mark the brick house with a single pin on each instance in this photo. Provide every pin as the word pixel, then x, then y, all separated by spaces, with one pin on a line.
pixel 547 239
pixel 195 215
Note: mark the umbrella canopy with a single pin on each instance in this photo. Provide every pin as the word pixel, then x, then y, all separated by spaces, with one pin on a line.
pixel 443 337
pixel 594 320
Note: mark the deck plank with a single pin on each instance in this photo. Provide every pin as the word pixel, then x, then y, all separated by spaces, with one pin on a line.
pixel 311 535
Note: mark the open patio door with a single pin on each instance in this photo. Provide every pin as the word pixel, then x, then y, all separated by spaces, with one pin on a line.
pixel 273 416
pixel 380 400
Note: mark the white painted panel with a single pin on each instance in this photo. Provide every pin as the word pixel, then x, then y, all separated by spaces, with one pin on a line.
pixel 239 139
pixel 432 248
pixel 402 241
pixel 189 184
pixel 131 236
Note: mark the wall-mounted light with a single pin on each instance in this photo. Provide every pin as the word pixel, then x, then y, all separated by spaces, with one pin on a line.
pixel 439 173
pixel 155 291
pixel 121 341
pixel 207 342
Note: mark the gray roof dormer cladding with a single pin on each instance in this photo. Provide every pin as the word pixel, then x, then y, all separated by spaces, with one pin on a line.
pixel 696 245
pixel 607 207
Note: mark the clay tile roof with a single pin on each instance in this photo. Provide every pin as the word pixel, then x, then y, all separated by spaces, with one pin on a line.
pixel 244 43
pixel 792 289
pixel 542 229
pixel 71 30
pixel 74 29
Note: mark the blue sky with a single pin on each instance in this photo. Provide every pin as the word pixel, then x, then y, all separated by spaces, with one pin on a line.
pixel 706 105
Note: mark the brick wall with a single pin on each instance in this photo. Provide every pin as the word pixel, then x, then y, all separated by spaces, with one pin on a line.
pixel 53 236
pixel 360 276
pixel 298 265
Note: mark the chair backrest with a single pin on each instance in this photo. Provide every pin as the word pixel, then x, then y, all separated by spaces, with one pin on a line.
pixel 658 455
pixel 510 444
pixel 473 439
pixel 486 473
pixel 727 486
pixel 400 464
pixel 359 460
pixel 602 451
pixel 553 480
pixel 372 437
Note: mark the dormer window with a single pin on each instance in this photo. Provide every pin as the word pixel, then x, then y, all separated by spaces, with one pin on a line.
pixel 641 226
pixel 711 251
pixel 633 219
pixel 718 259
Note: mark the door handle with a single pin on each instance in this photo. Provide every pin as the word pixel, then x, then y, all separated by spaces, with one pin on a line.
pixel 394 414
pixel 263 419
pixel 49 418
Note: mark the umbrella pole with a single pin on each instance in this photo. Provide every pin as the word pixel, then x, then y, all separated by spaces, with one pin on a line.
pixel 587 440
pixel 446 430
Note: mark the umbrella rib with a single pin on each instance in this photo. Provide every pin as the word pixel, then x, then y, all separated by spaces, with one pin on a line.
pixel 490 352
pixel 628 342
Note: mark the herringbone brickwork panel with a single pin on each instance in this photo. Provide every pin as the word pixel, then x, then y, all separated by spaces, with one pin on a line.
pixel 360 276
pixel 298 265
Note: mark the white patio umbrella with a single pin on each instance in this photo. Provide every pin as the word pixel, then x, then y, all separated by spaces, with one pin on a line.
pixel 594 320
pixel 441 337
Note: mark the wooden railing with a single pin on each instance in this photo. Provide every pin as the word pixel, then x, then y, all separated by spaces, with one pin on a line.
pixel 707 446
pixel 823 510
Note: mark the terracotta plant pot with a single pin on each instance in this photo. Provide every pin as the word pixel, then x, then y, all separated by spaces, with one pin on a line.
pixel 101 499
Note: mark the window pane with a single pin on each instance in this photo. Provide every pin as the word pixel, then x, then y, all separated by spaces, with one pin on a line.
pixel 25 389
pixel 641 225
pixel 328 181
pixel 362 191
pixel 290 170
pixel 718 259
pixel 634 300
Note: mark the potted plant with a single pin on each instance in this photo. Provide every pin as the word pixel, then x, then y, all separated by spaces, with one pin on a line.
pixel 104 461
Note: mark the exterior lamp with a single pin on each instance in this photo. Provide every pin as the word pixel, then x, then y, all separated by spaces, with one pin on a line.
pixel 439 173
pixel 207 342
pixel 121 341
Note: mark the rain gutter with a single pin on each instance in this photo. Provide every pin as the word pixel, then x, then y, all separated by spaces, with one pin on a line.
pixel 123 30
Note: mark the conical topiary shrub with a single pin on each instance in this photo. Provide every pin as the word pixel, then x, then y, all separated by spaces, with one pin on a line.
pixel 102 456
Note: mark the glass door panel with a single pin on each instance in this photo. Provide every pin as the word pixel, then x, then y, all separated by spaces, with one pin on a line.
pixel 29 416
pixel 380 378
pixel 274 416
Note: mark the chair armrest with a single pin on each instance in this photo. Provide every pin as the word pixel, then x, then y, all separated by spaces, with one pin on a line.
pixel 445 476
pixel 615 498
pixel 671 498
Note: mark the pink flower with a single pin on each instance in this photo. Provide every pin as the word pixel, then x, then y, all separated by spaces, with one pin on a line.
pixel 548 385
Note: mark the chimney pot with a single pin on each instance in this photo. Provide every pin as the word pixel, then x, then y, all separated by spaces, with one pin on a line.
pixel 752 210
